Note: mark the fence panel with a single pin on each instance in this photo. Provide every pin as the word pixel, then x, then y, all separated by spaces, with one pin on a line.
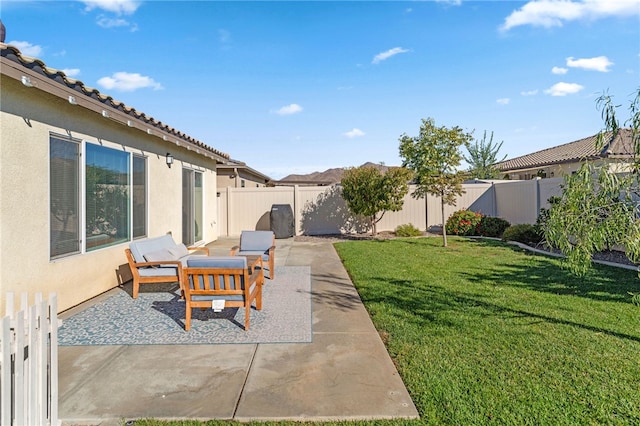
pixel 249 208
pixel 548 188
pixel 517 201
pixel 321 210
pixel 29 362
pixel 477 197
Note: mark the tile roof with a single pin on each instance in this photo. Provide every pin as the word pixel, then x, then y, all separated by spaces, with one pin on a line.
pixel 57 77
pixel 620 146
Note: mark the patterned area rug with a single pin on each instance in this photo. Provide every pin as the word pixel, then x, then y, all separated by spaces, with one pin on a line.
pixel 156 317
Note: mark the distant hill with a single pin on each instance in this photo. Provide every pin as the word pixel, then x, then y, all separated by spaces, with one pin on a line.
pixel 328 177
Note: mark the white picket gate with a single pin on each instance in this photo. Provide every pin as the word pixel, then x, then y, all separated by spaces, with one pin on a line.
pixel 29 363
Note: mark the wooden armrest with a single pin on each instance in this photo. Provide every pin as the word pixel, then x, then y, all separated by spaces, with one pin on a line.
pixel 205 249
pixel 234 249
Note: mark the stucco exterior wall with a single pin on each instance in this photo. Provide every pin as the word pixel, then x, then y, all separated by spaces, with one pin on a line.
pixel 27 118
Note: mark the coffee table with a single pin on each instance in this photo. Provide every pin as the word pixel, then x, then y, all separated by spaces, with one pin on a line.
pixel 253 261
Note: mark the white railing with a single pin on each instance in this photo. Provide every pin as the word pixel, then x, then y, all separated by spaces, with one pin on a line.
pixel 29 363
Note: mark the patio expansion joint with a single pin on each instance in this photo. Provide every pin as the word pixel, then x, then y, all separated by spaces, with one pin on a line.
pixel 246 378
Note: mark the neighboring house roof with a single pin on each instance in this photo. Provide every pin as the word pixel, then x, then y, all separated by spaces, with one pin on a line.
pixel 619 145
pixel 239 165
pixel 34 72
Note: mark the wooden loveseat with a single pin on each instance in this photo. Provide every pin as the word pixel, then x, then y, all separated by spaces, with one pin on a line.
pixel 158 260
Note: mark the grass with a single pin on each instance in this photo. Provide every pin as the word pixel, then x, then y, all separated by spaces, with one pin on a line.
pixel 485 333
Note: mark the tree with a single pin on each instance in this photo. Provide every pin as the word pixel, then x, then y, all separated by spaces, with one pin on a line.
pixel 434 156
pixel 370 193
pixel 599 206
pixel 482 158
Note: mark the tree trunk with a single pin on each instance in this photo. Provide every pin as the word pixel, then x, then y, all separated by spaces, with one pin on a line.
pixel 444 224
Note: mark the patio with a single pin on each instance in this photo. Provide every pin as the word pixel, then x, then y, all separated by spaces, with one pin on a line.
pixel 344 373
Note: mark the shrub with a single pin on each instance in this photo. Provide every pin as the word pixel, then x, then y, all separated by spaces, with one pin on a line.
pixel 522 233
pixel 463 222
pixel 407 230
pixel 491 226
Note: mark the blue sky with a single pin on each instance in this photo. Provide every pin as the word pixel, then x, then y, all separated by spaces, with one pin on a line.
pixel 297 87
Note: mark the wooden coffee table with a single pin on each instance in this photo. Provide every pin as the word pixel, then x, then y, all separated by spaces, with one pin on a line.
pixel 253 261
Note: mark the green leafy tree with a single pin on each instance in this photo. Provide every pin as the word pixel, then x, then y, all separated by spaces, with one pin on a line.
pixel 482 158
pixel 370 193
pixel 435 156
pixel 599 206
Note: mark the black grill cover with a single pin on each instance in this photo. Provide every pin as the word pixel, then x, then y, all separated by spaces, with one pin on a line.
pixel 281 221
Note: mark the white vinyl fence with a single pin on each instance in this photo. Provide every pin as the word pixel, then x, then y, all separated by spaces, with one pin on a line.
pixel 321 210
pixel 29 363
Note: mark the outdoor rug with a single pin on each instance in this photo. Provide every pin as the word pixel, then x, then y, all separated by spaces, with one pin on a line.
pixel 156 317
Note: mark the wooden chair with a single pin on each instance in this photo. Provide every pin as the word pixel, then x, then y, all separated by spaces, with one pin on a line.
pixel 227 278
pixel 262 243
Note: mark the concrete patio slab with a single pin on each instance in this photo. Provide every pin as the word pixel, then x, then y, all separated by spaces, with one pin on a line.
pixel 344 374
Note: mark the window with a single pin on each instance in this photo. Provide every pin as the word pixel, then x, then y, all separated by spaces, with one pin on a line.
pixel 139 196
pixel 64 193
pixel 114 197
pixel 107 196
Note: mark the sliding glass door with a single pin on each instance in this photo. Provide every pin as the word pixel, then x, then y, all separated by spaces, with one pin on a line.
pixel 192 207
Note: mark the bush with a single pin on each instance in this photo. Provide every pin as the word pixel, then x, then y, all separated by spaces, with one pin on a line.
pixel 407 230
pixel 491 226
pixel 463 222
pixel 522 233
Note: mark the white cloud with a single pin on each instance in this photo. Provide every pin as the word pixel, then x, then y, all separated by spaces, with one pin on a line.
pixel 559 70
pixel 27 48
pixel 563 89
pixel 529 92
pixel 288 109
pixel 387 54
pixel 128 82
pixel 354 133
pixel 71 72
pixel 553 13
pixel 106 22
pixel 503 101
pixel 120 7
pixel 599 63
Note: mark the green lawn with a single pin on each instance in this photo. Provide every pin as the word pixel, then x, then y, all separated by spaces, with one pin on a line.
pixel 486 333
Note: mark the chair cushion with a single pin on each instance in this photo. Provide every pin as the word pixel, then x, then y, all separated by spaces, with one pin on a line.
pixel 179 251
pixel 263 253
pixel 256 240
pixel 159 256
pixel 140 247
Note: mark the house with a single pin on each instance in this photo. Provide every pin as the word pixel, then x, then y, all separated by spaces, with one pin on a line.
pixel 617 150
pixel 82 175
pixel 236 174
